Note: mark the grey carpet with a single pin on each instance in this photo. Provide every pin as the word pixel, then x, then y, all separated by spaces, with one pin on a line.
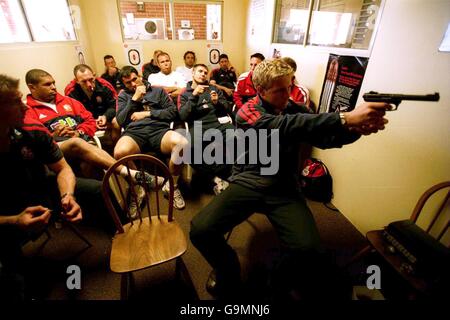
pixel 254 240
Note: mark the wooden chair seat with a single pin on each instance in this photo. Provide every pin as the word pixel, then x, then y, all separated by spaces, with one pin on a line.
pixel 152 236
pixel 145 244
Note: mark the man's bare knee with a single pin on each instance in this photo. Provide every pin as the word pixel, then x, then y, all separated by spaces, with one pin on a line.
pixel 73 145
pixel 125 146
pixel 173 141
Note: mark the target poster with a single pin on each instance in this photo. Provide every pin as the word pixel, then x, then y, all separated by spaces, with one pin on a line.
pixel 80 54
pixel 134 55
pixel 214 50
pixel 342 83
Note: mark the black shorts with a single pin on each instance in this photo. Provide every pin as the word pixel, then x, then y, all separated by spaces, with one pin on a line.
pixel 147 137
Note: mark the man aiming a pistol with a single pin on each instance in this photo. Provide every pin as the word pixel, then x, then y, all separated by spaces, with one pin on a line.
pixel 302 270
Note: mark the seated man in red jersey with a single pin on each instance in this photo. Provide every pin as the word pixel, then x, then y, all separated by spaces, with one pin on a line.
pixel 244 88
pixel 299 94
pixel 98 97
pixel 70 124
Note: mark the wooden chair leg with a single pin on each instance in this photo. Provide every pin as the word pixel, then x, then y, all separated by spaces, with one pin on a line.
pixel 182 275
pixel 125 285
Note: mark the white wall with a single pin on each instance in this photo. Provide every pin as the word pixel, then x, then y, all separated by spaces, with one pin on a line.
pixel 379 178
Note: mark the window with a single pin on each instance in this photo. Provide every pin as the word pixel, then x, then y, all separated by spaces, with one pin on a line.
pixel 47 24
pixel 31 20
pixel 13 22
pixel 171 20
pixel 329 23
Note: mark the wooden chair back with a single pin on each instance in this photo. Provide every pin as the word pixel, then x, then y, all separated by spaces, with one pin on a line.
pixel 432 211
pixel 153 236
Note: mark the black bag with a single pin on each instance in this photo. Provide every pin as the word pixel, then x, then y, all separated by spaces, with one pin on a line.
pixel 315 181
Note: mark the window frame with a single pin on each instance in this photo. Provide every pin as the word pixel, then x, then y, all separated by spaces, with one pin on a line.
pixel 171 16
pixel 327 49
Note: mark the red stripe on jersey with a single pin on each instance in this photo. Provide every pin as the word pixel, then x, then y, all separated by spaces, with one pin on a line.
pixel 70 87
pixel 249 113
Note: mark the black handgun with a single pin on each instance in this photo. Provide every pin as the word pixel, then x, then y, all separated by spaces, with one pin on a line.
pixel 396 99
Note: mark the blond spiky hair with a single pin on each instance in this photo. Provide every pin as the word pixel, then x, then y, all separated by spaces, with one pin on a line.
pixel 268 71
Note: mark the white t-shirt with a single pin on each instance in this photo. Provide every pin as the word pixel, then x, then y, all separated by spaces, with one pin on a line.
pixel 173 79
pixel 50 105
pixel 186 72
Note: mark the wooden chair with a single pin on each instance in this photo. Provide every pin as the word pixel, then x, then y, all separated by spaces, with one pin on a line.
pixel 432 214
pixel 152 238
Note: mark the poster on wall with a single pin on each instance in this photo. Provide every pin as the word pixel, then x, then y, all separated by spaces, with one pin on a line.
pixel 80 54
pixel 213 51
pixel 342 83
pixel 134 55
pixel 257 18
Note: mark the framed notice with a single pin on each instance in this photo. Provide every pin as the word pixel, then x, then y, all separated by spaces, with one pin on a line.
pixel 342 83
pixel 213 52
pixel 133 55
pixel 80 54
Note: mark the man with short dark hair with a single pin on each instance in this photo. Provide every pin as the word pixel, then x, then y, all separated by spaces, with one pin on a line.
pixel 98 96
pixel 224 77
pixel 70 124
pixel 244 87
pixel 189 62
pixel 205 104
pixel 145 113
pixel 29 195
pixel 111 73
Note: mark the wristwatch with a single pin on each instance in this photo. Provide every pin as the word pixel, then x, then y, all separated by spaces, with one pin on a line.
pixel 342 117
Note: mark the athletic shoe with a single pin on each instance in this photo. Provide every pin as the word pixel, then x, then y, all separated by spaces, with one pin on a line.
pixel 133 205
pixel 220 186
pixel 148 179
pixel 178 201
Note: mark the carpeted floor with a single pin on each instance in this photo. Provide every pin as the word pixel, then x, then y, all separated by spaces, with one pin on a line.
pixel 254 241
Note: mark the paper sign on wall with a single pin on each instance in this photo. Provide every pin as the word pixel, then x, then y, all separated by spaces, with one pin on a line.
pixel 214 50
pixel 80 54
pixel 134 55
pixel 342 83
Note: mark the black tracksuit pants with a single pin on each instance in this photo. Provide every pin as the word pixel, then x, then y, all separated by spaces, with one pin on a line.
pixel 287 211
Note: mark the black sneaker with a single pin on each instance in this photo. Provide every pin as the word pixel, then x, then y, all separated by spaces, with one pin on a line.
pixel 148 179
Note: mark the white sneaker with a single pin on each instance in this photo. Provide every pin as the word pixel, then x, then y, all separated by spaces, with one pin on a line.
pixel 178 201
pixel 133 205
pixel 220 186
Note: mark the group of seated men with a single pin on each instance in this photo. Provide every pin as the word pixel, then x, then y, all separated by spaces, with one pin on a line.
pixel 137 118
pixel 53 127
